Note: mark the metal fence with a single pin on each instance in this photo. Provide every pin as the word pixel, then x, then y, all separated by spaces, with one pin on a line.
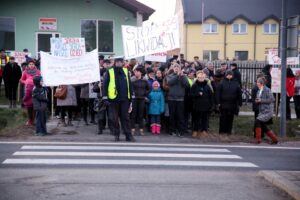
pixel 249 71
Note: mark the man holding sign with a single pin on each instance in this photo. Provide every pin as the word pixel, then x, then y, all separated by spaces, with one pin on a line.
pixel 117 94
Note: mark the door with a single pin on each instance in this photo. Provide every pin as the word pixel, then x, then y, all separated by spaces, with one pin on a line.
pixel 43 41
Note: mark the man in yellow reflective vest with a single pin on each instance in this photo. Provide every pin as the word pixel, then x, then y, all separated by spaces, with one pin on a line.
pixel 4 59
pixel 117 94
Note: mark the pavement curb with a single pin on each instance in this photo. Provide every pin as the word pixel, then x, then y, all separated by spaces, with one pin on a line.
pixel 279 181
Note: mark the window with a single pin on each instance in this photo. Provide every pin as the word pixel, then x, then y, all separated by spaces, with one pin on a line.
pixel 98 34
pixel 241 55
pixel 239 28
pixel 210 55
pixel 210 28
pixel 7 33
pixel 270 28
pixel 43 41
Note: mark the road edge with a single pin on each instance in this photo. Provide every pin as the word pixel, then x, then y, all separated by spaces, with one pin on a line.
pixel 281 182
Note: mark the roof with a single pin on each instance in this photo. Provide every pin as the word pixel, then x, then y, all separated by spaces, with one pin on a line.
pixel 226 11
pixel 134 7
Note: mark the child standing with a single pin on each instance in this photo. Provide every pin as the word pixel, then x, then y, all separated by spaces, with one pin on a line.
pixel 27 100
pixel 156 107
pixel 40 99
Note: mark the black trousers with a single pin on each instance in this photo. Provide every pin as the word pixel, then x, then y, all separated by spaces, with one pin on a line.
pixel 11 91
pixel 200 121
pixel 226 121
pixel 297 105
pixel 67 109
pixel 118 110
pixel 176 109
pixel 41 118
pixel 87 106
pixel 288 108
pixel 262 125
pixel 137 115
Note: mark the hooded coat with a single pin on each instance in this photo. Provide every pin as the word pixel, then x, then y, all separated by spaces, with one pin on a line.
pixel 39 95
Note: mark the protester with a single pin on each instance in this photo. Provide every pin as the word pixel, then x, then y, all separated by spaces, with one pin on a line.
pixel 202 101
pixel 4 59
pixel 86 104
pixel 11 76
pixel 188 99
pixel 141 90
pixel 67 104
pixel 223 68
pixel 265 101
pixel 177 82
pixel 267 74
pixel 27 100
pixel 290 91
pixel 209 70
pixel 229 98
pixel 150 76
pixel 117 94
pixel 40 100
pixel 236 74
pixel 297 94
pixel 156 107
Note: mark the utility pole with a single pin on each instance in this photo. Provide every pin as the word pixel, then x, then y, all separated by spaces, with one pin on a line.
pixel 283 44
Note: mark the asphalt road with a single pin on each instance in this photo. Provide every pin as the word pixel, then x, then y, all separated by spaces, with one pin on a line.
pixel 140 171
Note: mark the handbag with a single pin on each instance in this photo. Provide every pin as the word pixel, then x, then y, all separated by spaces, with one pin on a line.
pixel 61 92
pixel 99 104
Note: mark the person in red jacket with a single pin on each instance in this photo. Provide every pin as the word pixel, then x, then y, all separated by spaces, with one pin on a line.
pixel 27 100
pixel 290 91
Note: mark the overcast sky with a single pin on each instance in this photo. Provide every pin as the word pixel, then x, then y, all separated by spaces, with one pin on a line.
pixel 163 8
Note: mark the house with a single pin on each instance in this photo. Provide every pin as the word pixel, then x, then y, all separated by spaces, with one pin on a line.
pixel 30 24
pixel 240 29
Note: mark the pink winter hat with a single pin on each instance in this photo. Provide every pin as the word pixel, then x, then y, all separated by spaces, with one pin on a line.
pixel 155 83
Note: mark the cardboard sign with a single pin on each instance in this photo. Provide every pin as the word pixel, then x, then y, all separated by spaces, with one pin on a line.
pixel 150 39
pixel 72 70
pixel 157 57
pixel 276 80
pixel 48 24
pixel 20 57
pixel 274 59
pixel 67 47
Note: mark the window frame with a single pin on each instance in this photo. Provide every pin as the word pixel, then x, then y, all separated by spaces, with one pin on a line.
pixel 210 54
pixel 210 28
pixel 239 29
pixel 97 35
pixel 269 26
pixel 44 33
pixel 15 29
pixel 241 51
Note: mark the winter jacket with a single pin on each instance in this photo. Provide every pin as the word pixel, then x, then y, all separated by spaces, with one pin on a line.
pixel 27 99
pixel 202 97
pixel 70 99
pixel 176 86
pixel 156 102
pixel 266 105
pixel 26 75
pixel 140 88
pixel 39 95
pixel 290 86
pixel 237 76
pixel 84 92
pixel 229 95
pixel 11 74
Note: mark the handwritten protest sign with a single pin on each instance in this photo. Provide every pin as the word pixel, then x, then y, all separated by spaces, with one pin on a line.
pixel 67 71
pixel 150 39
pixel 67 47
pixel 274 59
pixel 276 80
pixel 19 57
pixel 157 57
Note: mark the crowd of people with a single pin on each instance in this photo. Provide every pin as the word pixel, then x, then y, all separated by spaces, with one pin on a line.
pixel 174 96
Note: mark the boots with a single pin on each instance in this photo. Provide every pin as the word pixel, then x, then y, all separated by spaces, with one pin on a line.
pixel 153 129
pixel 272 136
pixel 157 129
pixel 258 135
pixel 195 134
pixel 62 122
pixel 142 131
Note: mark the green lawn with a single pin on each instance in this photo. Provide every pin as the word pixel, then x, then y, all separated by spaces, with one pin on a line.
pixel 11 118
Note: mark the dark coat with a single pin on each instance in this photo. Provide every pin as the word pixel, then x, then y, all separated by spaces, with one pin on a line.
pixel 267 75
pixel 202 97
pixel 229 95
pixel 140 88
pixel 11 74
pixel 39 96
pixel 237 76
pixel 177 85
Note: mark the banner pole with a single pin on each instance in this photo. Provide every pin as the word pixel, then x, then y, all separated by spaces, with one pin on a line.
pixel 52 103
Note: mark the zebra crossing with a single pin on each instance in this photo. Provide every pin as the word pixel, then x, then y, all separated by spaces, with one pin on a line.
pixel 129 155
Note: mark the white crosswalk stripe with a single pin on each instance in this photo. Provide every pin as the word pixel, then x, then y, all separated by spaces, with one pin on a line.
pixel 131 155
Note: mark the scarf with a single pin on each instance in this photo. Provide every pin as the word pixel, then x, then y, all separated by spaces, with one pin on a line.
pixel 31 71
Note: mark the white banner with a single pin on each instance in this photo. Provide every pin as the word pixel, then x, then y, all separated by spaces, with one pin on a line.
pixel 150 39
pixel 274 59
pixel 157 57
pixel 68 71
pixel 67 47
pixel 276 80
